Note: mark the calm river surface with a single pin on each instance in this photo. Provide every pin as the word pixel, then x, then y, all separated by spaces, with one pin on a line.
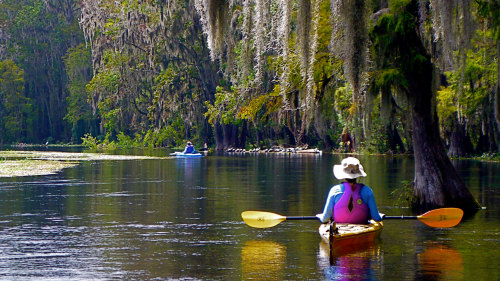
pixel 180 219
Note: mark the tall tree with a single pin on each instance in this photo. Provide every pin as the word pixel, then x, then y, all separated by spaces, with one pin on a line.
pixel 398 44
pixel 15 108
pixel 79 69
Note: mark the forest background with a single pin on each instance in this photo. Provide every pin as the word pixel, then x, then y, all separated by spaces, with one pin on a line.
pixel 239 74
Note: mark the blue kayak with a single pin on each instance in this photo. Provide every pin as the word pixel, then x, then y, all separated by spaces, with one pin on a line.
pixel 186 155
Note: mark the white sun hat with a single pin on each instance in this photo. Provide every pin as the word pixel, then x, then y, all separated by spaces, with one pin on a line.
pixel 350 168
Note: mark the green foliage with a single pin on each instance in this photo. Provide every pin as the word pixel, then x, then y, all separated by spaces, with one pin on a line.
pixel 125 141
pixel 224 109
pixel 378 142
pixel 38 35
pixel 78 67
pixel 15 108
pixel 490 10
pixel 390 77
pixel 446 106
pixel 469 94
pixel 403 196
pixel 108 143
pixel 104 89
pixel 27 15
pixel 104 82
pixel 151 66
pixel 394 43
pixel 154 83
pixel 492 156
pixel 90 142
pixel 262 106
pixel 343 104
pixel 170 136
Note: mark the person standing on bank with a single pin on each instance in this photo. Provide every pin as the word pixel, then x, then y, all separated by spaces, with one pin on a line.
pixel 350 202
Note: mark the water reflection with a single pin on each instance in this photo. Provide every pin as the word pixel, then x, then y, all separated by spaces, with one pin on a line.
pixel 188 167
pixel 360 263
pixel 263 260
pixel 180 219
pixel 440 262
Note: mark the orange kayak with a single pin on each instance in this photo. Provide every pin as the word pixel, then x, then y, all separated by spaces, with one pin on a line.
pixel 349 237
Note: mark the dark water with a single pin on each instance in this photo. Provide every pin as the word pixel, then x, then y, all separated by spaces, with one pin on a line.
pixel 180 219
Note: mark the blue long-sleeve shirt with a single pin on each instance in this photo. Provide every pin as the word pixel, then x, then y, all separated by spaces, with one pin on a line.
pixel 336 193
pixel 188 149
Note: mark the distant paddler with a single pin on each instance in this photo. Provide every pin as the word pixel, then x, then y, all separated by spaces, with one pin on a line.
pixel 189 148
pixel 189 152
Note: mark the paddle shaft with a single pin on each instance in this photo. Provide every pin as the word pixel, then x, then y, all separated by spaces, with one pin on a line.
pixel 302 218
pixel 385 218
pixel 401 217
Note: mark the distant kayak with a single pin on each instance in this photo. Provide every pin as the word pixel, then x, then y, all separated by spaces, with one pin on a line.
pixel 187 155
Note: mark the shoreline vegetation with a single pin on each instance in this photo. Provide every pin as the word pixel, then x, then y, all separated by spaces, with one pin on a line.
pixel 19 163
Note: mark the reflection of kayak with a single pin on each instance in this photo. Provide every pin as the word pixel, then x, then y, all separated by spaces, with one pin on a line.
pixel 350 236
pixel 186 155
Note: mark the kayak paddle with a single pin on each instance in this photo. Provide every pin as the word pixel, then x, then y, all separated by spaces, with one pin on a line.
pixel 260 219
pixel 444 217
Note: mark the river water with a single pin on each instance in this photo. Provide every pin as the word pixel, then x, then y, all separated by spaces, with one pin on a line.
pixel 180 219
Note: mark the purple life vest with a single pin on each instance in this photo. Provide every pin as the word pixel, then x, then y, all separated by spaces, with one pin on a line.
pixel 351 208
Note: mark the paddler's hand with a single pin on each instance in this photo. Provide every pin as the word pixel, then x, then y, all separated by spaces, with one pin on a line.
pixel 320 217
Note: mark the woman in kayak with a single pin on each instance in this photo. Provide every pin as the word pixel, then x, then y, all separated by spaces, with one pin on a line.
pixel 350 202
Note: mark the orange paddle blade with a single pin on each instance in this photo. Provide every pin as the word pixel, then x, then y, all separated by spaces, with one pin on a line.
pixel 444 217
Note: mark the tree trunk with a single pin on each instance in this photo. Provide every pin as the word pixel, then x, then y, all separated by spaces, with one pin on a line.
pixel 491 135
pixel 395 142
pixel 460 144
pixel 437 183
pixel 219 137
pixel 497 97
pixel 289 135
pixel 227 134
pixel 483 144
pixel 242 141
